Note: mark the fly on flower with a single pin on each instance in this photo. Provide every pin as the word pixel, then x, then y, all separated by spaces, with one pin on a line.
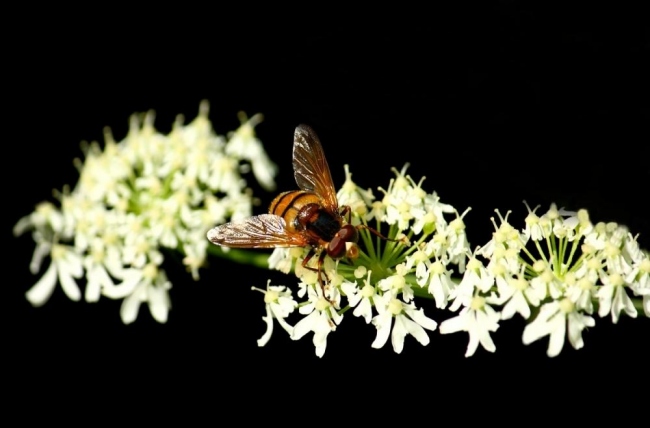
pixel 309 217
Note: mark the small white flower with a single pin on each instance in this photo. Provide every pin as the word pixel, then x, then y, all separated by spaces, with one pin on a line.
pixel 505 236
pixel 427 223
pixel 353 196
pixel 243 144
pixel 66 266
pixel 548 281
pixel 553 319
pixel 476 277
pixel 581 292
pixel 440 283
pixel 195 250
pixel 518 295
pixel 45 216
pixel 404 200
pixel 407 320
pixel 321 319
pixel 458 244
pixel 478 320
pixel 279 305
pixel 377 211
pixel 100 264
pixel 612 298
pixel 140 250
pixel 361 299
pixel 282 258
pixel 599 235
pixel 533 228
pixel 149 285
pixel 639 277
pixel 397 284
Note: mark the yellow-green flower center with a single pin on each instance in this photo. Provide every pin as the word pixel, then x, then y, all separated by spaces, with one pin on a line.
pixel 395 307
pixel 271 296
pixel 616 280
pixel 367 291
pixel 150 271
pixel 322 304
pixel 566 305
pixel 477 303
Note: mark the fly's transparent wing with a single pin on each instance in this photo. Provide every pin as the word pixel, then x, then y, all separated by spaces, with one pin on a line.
pixel 262 231
pixel 310 167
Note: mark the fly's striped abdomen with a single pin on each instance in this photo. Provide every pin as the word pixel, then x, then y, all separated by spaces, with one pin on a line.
pixel 288 204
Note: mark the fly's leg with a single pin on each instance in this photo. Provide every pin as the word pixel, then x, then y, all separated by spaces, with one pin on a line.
pixel 323 280
pixel 376 233
pixel 346 212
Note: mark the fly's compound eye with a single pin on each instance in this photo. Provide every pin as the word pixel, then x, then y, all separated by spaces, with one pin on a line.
pixel 338 246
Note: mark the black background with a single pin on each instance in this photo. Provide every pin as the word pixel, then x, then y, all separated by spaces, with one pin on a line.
pixel 493 105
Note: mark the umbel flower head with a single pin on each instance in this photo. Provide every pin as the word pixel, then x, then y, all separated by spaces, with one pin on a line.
pixel 136 197
pixel 557 273
pixel 410 244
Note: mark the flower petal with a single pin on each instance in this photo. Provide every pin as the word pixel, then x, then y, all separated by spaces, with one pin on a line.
pixel 159 303
pixel 268 319
pixel 383 323
pixel 399 333
pixel 556 339
pixel 68 284
pixel 42 290
pixel 129 308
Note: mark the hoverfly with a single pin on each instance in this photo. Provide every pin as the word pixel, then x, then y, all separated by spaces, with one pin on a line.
pixel 299 218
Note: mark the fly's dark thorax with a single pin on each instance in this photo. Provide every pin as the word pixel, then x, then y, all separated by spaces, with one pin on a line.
pixel 324 224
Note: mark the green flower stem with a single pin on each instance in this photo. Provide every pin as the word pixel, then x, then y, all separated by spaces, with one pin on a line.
pixel 638 304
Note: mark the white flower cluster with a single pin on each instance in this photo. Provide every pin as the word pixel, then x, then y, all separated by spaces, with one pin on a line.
pixel 137 196
pixel 556 272
pixel 553 272
pixel 379 285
